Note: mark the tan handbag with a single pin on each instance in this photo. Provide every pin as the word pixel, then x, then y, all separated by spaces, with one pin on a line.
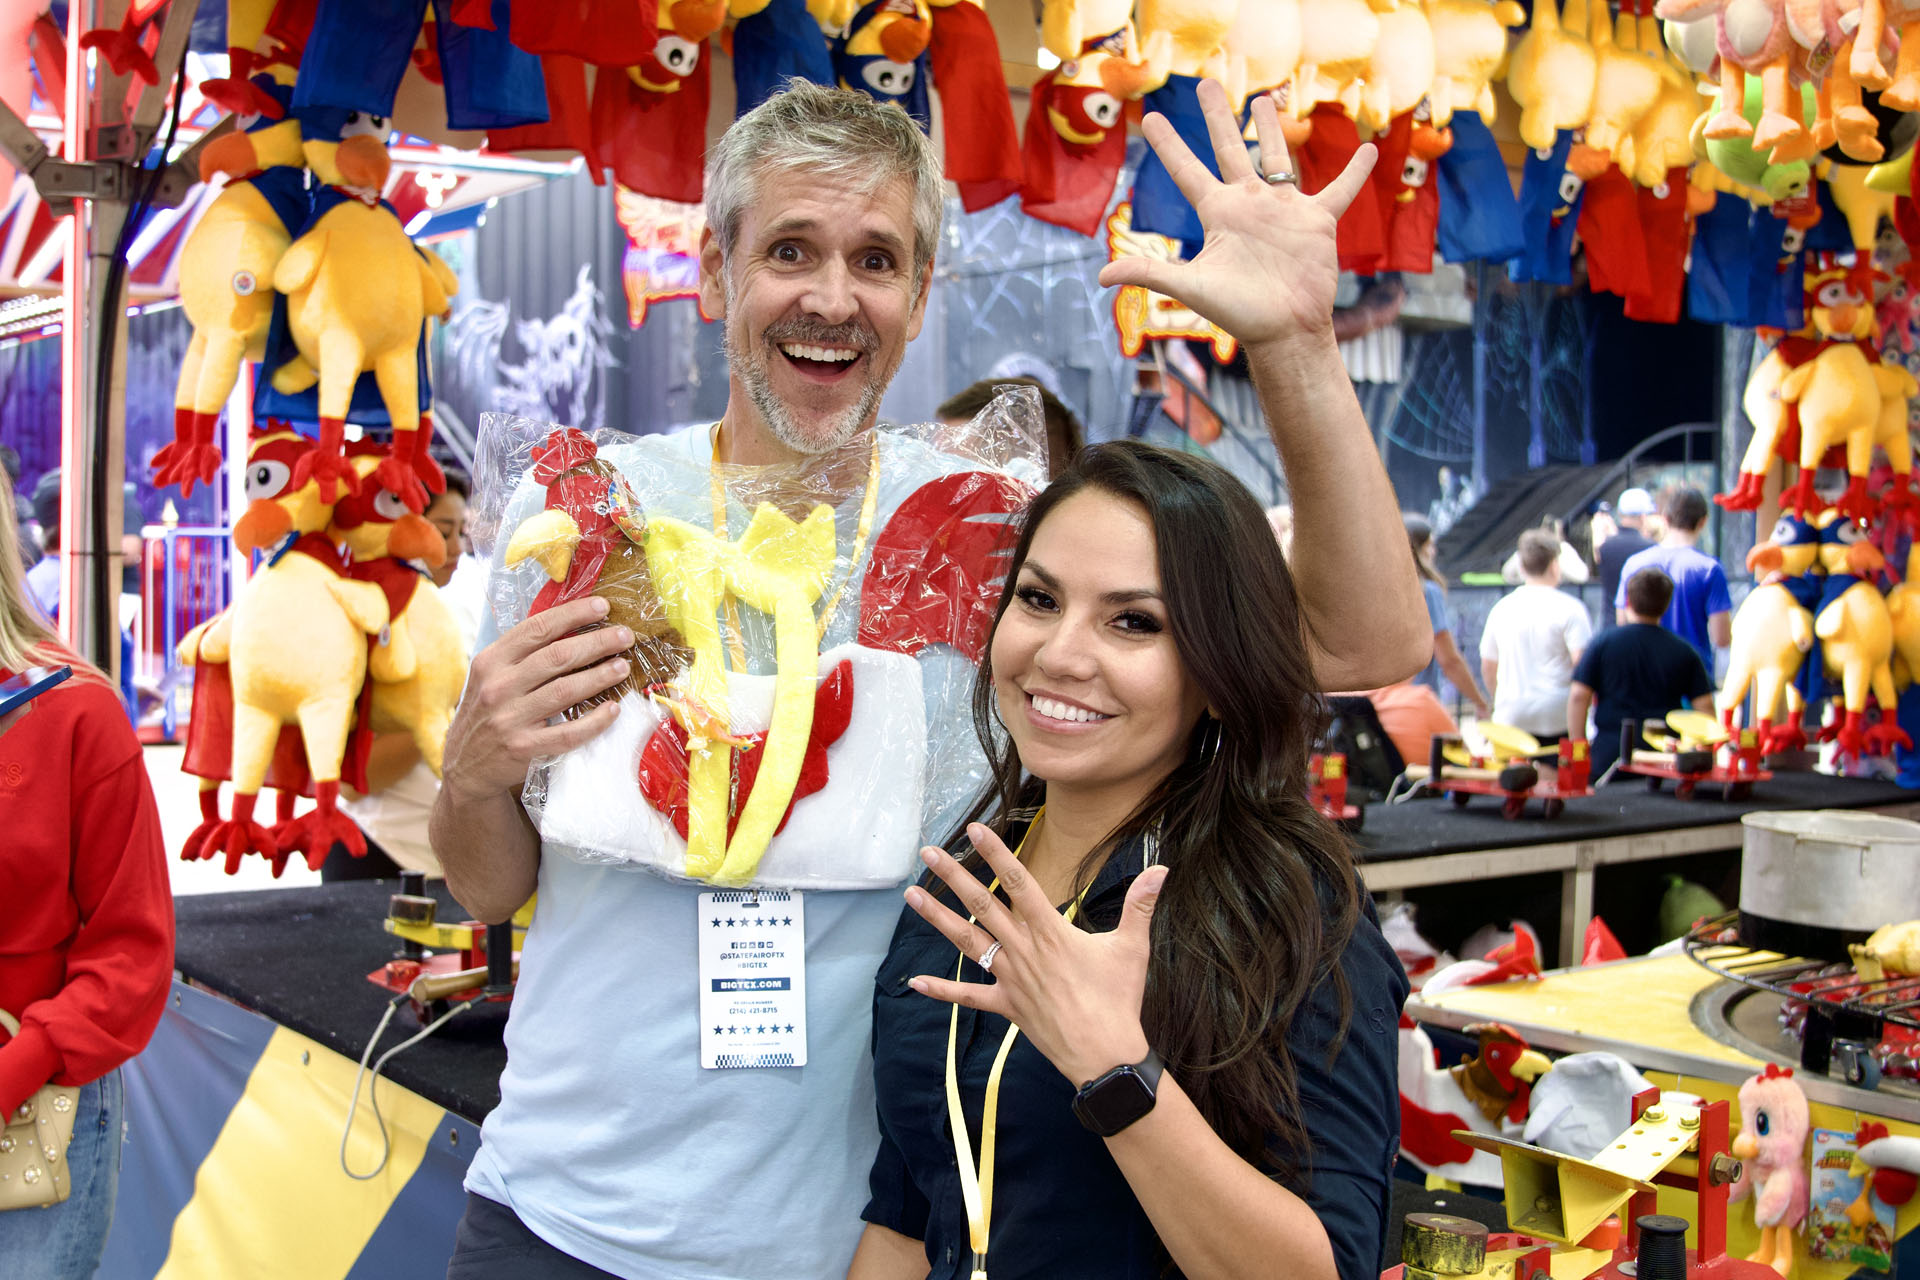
pixel 33 1146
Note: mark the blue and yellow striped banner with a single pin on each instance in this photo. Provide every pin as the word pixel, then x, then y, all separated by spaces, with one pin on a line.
pixel 232 1162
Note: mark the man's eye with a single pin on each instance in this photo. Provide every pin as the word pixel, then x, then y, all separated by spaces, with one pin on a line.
pixel 878 262
pixel 786 252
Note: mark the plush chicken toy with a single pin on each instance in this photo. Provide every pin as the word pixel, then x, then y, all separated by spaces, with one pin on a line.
pixel 1773 634
pixel 1837 393
pixel 1469 46
pixel 774 41
pixel 1774 1123
pixel 1855 632
pixel 1076 137
pixel 650 123
pixel 1552 72
pixel 1752 39
pixel 226 275
pixel 881 52
pixel 982 141
pixel 358 294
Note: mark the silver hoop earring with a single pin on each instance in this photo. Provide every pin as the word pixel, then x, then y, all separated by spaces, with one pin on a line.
pixel 1210 736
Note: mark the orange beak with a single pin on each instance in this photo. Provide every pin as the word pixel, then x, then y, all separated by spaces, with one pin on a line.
pixel 695 20
pixel 263 523
pixel 1765 558
pixel 363 162
pixel 414 539
pixel 905 41
pixel 1841 319
pixel 1587 163
pixel 1121 78
pixel 231 154
pixel 1864 558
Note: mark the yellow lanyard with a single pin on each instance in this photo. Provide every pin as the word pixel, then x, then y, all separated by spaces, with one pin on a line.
pixel 736 644
pixel 976 1187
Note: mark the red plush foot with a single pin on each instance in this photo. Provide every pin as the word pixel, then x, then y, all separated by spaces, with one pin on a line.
pixel 1855 504
pixel 120 46
pixel 209 819
pixel 326 824
pixel 409 481
pixel 1885 736
pixel 1776 740
pixel 239 835
pixel 192 458
pixel 329 469
pixel 1800 498
pixel 1746 495
pixel 1851 736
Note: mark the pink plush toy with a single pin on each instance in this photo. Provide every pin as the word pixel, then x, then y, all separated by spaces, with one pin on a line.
pixel 1773 1143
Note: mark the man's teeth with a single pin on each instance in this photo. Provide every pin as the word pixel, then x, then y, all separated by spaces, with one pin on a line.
pixel 831 355
pixel 1053 710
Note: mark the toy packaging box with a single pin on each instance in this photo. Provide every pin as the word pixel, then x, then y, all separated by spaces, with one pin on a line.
pixel 1832 1232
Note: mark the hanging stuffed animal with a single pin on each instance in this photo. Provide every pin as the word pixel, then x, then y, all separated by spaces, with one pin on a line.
pixel 1836 392
pixel 420 665
pixel 881 52
pixel 357 296
pixel 1076 137
pixel 1752 39
pixel 774 41
pixel 1188 37
pixel 1262 49
pixel 128 48
pixel 226 276
pixel 1773 634
pixel 982 141
pixel 1855 632
pixel 1553 72
pixel 1759 177
pixel 1627 83
pixel 650 123
pixel 1901 89
pixel 1401 69
pixel 1774 1124
pixel 1336 50
pixel 1469 47
pixel 295 643
pixel 1663 140
pixel 1824 31
pixel 249 50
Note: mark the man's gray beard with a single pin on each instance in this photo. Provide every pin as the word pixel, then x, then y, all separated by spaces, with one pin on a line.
pixel 774 412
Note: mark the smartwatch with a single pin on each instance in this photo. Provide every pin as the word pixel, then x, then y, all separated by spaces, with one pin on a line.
pixel 1115 1100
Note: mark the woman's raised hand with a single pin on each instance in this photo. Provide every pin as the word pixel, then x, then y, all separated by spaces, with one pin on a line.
pixel 1075 995
pixel 1268 267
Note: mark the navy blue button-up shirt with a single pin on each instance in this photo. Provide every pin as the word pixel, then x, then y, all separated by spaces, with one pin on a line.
pixel 1061 1208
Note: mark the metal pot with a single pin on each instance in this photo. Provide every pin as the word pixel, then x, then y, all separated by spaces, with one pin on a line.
pixel 1813 882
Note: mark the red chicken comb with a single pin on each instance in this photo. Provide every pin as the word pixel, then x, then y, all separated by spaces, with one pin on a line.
pixel 1870 1131
pixel 1775 1071
pixel 565 449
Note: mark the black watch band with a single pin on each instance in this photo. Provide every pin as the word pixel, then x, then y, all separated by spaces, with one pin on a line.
pixel 1123 1095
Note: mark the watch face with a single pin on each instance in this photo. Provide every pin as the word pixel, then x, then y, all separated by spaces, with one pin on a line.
pixel 1115 1101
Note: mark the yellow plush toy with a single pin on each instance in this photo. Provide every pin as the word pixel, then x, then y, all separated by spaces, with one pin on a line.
pixel 1188 37
pixel 1903 610
pixel 1469 46
pixel 1336 50
pixel 358 296
pixel 1772 633
pixel 1855 631
pixel 1553 73
pixel 1663 140
pixel 420 668
pixel 1837 392
pixel 1400 72
pixel 226 275
pixel 1067 25
pixel 1262 49
pixel 295 644
pixel 1627 83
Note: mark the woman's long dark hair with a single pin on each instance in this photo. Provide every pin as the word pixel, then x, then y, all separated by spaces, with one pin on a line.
pixel 1419 534
pixel 1262 896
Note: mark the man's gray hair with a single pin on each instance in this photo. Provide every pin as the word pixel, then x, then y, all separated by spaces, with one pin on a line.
pixel 836 134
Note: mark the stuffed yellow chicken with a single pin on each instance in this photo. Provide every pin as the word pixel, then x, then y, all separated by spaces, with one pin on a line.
pixel 1855 631
pixel 1553 72
pixel 420 665
pixel 226 275
pixel 1663 140
pixel 1262 49
pixel 1469 47
pixel 1066 26
pixel 1903 610
pixel 1836 392
pixel 1400 72
pixel 1626 86
pixel 1336 50
pixel 1188 37
pixel 295 643
pixel 1773 633
pixel 358 296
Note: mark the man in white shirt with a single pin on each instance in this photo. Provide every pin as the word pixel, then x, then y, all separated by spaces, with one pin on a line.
pixel 1532 642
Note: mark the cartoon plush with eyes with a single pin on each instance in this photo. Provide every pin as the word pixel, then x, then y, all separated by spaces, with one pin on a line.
pixel 882 53
pixel 650 125
pixel 1772 1142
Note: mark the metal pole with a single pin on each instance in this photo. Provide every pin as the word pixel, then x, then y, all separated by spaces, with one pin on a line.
pixel 1482 317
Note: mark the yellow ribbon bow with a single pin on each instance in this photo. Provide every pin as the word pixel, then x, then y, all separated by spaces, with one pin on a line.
pixel 780 568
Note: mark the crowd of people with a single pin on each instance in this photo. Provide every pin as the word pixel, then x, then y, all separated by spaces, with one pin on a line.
pixel 1554 669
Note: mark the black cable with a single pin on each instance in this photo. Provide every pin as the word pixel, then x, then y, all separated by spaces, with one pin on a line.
pixel 106 623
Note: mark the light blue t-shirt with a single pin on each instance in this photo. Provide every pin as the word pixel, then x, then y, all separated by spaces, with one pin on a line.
pixel 610 1141
pixel 43 585
pixel 1438 620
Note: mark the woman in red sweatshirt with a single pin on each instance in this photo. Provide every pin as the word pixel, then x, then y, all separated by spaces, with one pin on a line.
pixel 86 922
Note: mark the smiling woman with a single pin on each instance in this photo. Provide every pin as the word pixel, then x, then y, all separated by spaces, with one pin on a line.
pixel 1182 944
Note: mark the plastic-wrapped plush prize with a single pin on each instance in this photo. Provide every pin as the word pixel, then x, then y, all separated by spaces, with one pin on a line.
pixel 805 638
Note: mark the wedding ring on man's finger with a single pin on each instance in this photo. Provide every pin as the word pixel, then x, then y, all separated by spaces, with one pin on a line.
pixel 1282 179
pixel 986 958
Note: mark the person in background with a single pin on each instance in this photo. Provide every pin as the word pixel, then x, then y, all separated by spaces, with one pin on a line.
pixel 1702 609
pixel 1533 639
pixel 29 547
pixel 86 950
pixel 401 788
pixel 1410 714
pixel 1629 539
pixel 1446 654
pixel 1064 435
pixel 1572 568
pixel 1635 671
pixel 45 579
pixel 1216 932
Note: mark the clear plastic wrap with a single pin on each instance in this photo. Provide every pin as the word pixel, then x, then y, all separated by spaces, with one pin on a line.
pixel 805 637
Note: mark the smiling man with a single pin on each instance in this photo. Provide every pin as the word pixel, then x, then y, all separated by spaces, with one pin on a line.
pixel 635 1136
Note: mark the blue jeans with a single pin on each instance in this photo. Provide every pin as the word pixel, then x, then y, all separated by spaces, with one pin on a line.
pixel 65 1241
